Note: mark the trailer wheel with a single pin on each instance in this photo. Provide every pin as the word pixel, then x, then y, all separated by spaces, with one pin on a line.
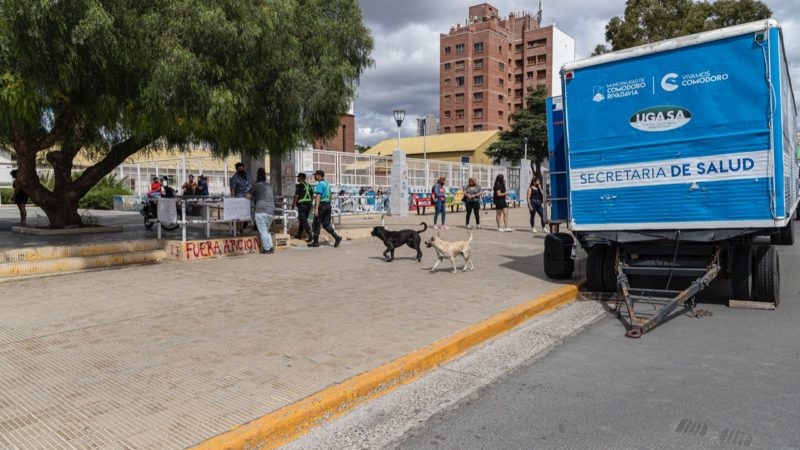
pixel 784 236
pixel 609 269
pixel 594 268
pixel 742 272
pixel 558 262
pixel 766 275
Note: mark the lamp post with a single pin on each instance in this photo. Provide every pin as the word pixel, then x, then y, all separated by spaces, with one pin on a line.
pixel 526 147
pixel 399 116
pixel 422 124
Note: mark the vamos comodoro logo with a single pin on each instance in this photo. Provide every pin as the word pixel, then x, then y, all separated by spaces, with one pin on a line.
pixel 661 118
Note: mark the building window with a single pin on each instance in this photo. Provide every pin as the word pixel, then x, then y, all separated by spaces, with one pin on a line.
pixel 518 48
pixel 447 130
pixel 478 47
pixel 517 107
pixel 459 98
pixel 459 114
pixel 447 114
pixel 477 113
pixel 447 99
pixel 501 66
pixel 460 129
pixel 446 66
pixel 479 63
pixel 541 59
pixel 500 98
pixel 447 82
pixel 500 128
pixel 478 81
pixel 477 128
pixel 518 93
pixel 531 60
pixel 518 63
pixel 459 81
pixel 459 65
pixel 537 43
pixel 500 114
pixel 447 50
pixel 459 48
pixel 529 75
pixel 518 78
pixel 541 74
pixel 501 82
pixel 477 97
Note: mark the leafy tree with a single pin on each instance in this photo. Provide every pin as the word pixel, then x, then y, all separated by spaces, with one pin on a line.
pixel 647 21
pixel 530 122
pixel 362 148
pixel 111 78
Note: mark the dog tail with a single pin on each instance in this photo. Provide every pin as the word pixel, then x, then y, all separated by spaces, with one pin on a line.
pixel 470 236
pixel 424 227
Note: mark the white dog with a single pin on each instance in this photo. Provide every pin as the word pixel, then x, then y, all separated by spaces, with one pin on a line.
pixel 449 250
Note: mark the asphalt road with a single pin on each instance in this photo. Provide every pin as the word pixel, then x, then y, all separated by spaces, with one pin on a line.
pixel 730 380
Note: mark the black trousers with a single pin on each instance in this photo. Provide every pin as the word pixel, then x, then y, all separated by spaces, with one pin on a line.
pixel 324 220
pixel 473 207
pixel 536 208
pixel 303 210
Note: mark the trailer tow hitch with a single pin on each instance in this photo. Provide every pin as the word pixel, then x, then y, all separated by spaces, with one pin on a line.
pixel 638 326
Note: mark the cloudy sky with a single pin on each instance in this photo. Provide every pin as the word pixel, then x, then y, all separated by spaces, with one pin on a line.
pixel 406 72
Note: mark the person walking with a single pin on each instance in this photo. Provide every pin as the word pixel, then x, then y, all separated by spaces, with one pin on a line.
pixel 535 200
pixel 322 210
pixel 499 194
pixel 262 196
pixel 20 198
pixel 439 197
pixel 472 201
pixel 303 200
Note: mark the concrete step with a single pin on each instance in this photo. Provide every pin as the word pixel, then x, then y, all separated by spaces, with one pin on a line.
pixel 15 270
pixel 73 251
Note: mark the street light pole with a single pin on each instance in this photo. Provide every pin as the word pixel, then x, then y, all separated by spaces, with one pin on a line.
pixel 526 147
pixel 399 116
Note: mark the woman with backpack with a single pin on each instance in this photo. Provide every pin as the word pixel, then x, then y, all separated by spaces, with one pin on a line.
pixel 439 197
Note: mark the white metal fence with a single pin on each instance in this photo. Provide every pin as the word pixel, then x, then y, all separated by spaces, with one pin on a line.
pixel 354 173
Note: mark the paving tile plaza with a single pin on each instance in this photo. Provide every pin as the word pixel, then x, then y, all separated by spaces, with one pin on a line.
pixel 168 355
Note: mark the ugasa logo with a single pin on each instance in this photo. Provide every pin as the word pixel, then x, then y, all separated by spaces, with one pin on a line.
pixel 661 118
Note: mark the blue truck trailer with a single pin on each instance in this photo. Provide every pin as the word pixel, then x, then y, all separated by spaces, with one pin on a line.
pixel 671 160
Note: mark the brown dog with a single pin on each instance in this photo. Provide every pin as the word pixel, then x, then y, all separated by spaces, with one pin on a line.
pixel 449 250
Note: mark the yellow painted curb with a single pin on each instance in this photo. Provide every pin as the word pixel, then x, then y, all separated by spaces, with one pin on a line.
pixel 292 421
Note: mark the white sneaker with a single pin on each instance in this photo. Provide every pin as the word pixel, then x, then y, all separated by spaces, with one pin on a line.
pixel 509 229
pixel 533 230
pixel 502 230
pixel 478 226
pixel 436 227
pixel 469 227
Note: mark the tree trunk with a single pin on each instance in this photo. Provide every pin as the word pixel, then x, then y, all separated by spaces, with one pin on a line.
pixel 61 204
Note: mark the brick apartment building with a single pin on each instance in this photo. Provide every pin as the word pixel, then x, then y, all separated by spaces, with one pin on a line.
pixel 488 65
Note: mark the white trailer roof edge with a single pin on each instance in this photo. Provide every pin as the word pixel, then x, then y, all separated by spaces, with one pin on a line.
pixel 672 44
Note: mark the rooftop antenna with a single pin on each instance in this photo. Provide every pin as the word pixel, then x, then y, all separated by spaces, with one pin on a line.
pixel 539 14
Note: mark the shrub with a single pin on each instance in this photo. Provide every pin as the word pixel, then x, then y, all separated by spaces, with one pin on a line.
pixel 6 196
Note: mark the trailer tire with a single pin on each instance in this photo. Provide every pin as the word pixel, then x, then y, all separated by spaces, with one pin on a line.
pixel 766 274
pixel 609 269
pixel 742 272
pixel 558 262
pixel 784 236
pixel 594 268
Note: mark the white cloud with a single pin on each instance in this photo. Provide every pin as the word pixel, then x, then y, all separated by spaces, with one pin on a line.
pixel 406 73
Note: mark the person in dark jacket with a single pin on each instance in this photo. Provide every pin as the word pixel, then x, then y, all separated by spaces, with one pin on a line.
pixel 303 200
pixel 499 194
